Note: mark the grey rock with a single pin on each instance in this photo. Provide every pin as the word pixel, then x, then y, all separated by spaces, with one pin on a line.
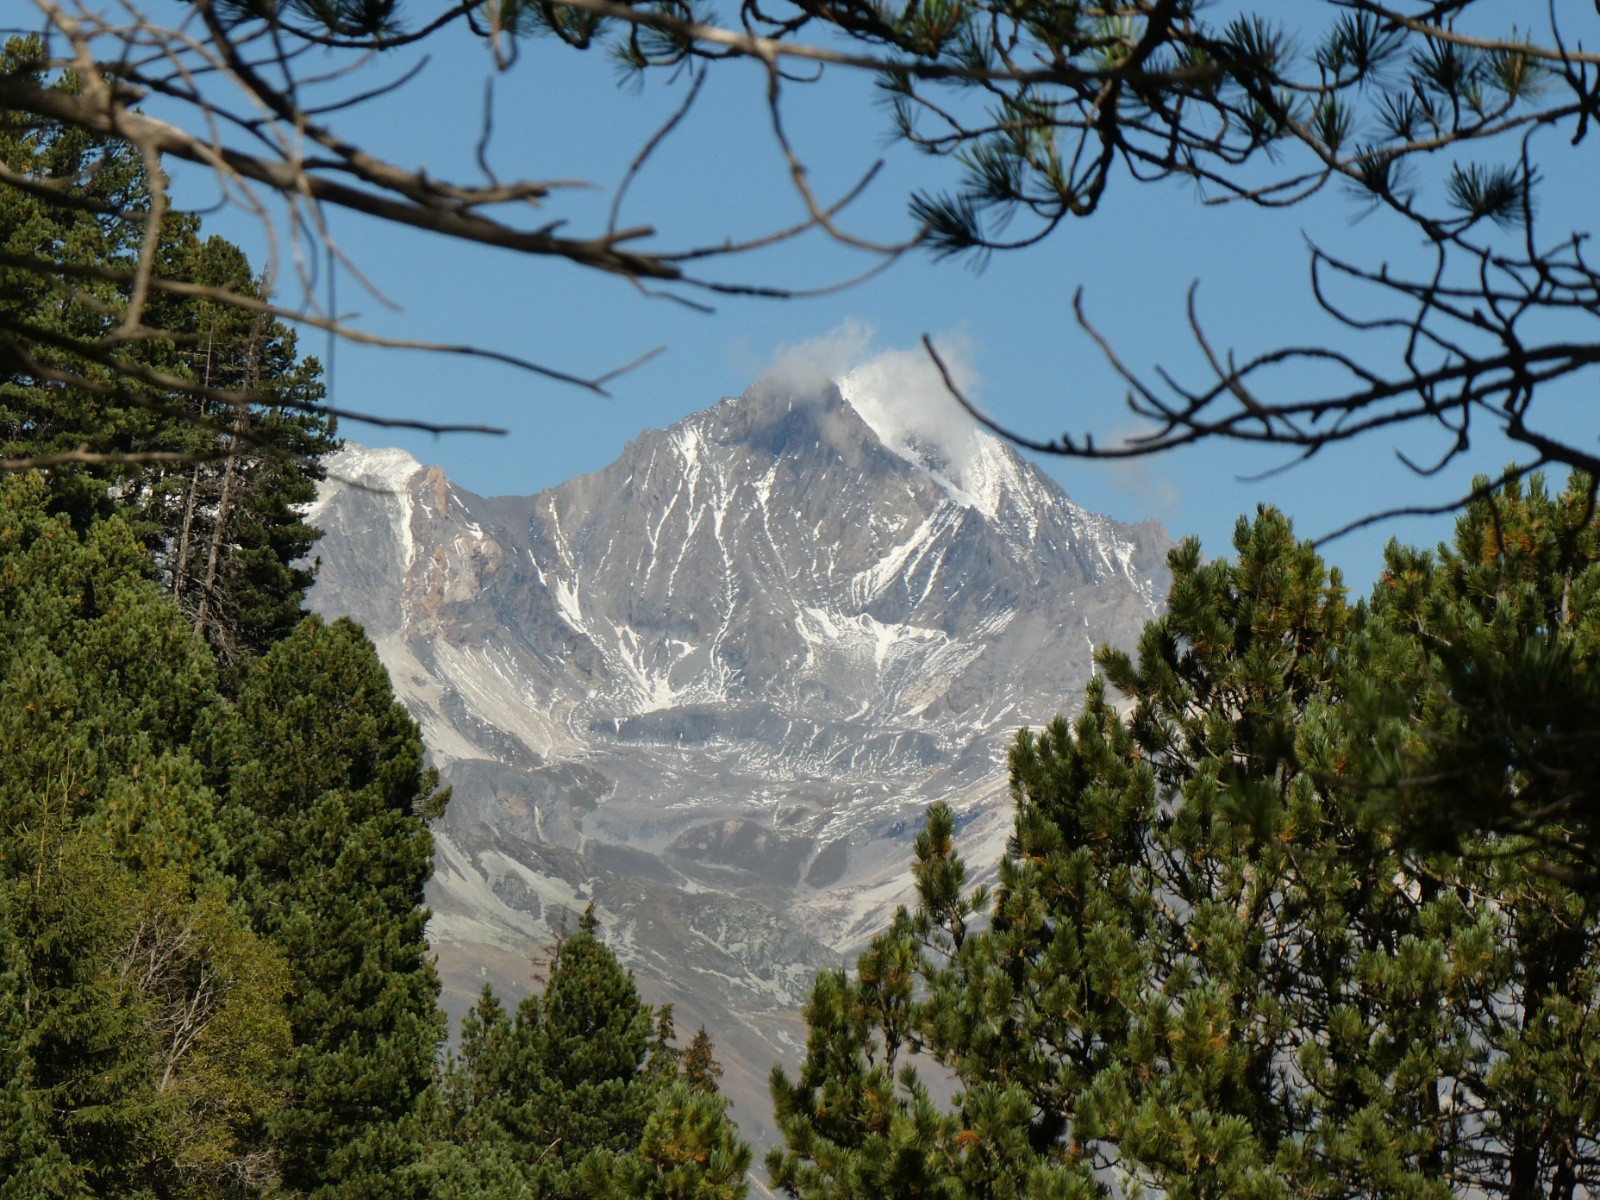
pixel 713 687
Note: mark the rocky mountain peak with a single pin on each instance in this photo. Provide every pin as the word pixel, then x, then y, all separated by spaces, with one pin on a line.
pixel 712 686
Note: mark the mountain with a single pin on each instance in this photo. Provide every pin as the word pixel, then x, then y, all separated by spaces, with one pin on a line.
pixel 712 687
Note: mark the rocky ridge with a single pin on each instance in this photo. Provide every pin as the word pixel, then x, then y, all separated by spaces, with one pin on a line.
pixel 712 687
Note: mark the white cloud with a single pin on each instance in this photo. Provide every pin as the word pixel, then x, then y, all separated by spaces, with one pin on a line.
pixel 898 392
pixel 809 366
pixel 901 394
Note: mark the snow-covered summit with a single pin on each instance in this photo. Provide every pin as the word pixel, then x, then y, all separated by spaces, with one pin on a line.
pixel 905 402
pixel 386 470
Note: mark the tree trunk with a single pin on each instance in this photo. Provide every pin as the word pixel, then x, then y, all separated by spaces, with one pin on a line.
pixel 180 562
pixel 180 566
pixel 241 422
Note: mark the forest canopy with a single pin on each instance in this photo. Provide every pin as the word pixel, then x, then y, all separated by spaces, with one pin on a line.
pixel 214 976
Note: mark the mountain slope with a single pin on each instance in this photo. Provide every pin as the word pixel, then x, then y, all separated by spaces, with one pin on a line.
pixel 712 686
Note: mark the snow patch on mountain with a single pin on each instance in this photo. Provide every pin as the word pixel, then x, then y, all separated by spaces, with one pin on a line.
pixel 387 471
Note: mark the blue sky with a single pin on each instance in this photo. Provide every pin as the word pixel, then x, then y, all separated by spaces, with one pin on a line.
pixel 561 114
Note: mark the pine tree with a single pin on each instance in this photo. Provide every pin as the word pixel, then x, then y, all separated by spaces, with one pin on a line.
pixel 1212 964
pixel 227 530
pixel 580 1094
pixel 86 1046
pixel 33 1166
pixel 700 1069
pixel 144 1018
pixel 469 1153
pixel 224 524
pixel 52 400
pixel 664 1060
pixel 688 1150
pixel 857 1123
pixel 326 803
pixel 473 1082
pixel 1500 628
pixel 577 1058
pixel 1505 636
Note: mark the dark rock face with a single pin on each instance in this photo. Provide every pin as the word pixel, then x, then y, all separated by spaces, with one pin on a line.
pixel 712 687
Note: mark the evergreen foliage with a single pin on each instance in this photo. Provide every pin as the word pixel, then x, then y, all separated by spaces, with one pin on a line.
pixel 32 1165
pixel 216 931
pixel 213 977
pixel 213 486
pixel 226 526
pixel 51 402
pixel 324 810
pixel 144 1018
pixel 1210 965
pixel 1503 628
pixel 700 1068
pixel 581 1093
pixel 688 1150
